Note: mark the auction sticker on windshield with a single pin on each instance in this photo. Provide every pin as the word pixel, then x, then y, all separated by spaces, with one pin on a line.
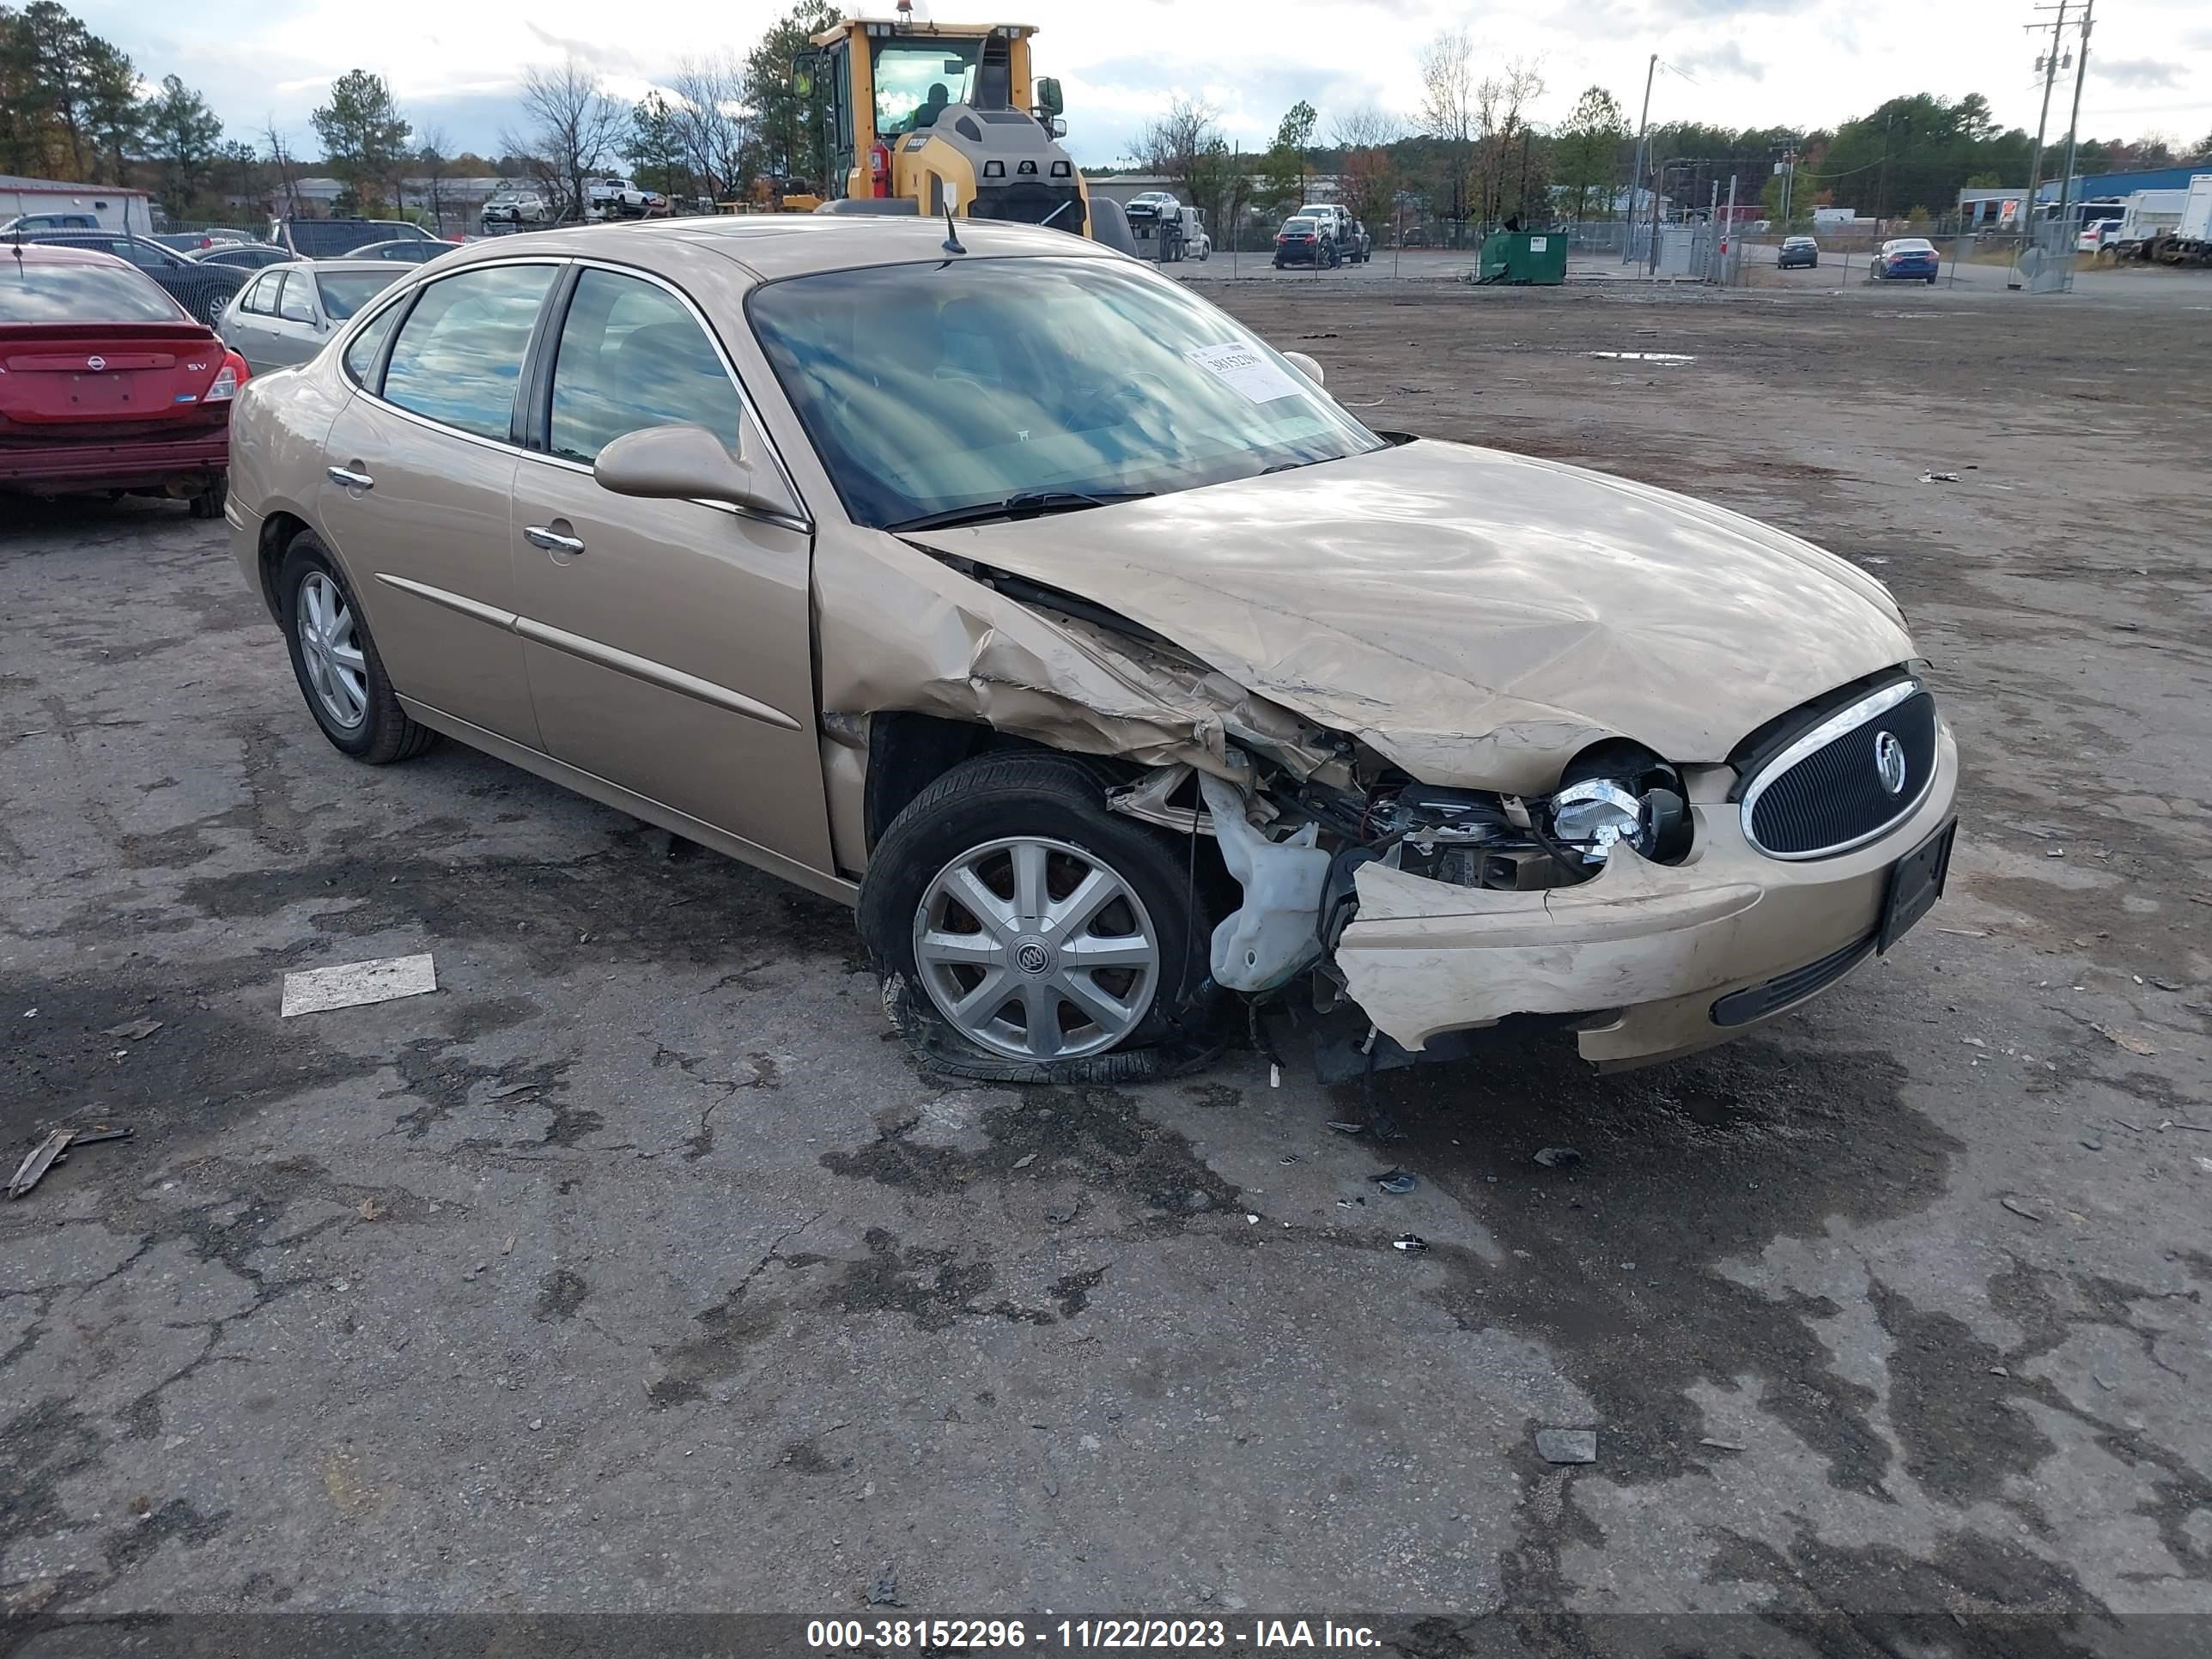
pixel 1246 370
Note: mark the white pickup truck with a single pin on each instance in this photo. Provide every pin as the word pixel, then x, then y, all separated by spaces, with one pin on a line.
pixel 611 197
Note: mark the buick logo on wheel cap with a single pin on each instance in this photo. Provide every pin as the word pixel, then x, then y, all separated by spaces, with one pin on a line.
pixel 1031 958
pixel 1889 761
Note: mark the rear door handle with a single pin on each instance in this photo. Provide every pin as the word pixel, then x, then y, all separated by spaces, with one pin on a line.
pixel 351 480
pixel 552 540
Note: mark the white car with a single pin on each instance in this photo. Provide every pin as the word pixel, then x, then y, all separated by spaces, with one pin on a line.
pixel 516 207
pixel 611 197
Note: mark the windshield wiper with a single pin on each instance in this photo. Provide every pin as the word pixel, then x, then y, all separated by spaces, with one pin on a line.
pixel 1023 504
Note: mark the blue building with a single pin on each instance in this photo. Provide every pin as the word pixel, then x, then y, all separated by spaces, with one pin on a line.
pixel 2096 186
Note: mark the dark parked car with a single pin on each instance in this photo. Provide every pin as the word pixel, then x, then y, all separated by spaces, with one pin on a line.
pixel 1798 251
pixel 414 251
pixel 202 289
pixel 1908 258
pixel 244 256
pixel 1304 241
pixel 109 384
pixel 28 222
pixel 335 239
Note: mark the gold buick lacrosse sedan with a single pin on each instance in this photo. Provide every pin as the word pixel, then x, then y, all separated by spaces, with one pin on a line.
pixel 994 583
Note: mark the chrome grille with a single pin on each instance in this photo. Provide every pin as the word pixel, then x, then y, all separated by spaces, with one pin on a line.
pixel 1830 789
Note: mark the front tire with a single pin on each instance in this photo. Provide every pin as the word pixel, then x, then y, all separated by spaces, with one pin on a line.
pixel 340 673
pixel 1025 934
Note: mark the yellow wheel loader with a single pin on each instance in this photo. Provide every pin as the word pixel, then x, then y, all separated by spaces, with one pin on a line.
pixel 936 117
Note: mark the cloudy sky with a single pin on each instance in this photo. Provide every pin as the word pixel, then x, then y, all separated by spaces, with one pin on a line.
pixel 1733 62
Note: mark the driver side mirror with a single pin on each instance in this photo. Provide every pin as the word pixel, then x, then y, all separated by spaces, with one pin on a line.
pixel 1048 95
pixel 1305 365
pixel 681 464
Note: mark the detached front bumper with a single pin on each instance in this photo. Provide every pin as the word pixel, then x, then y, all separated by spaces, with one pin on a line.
pixel 1647 951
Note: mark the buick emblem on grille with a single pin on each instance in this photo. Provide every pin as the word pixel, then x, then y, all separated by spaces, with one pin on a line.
pixel 1889 761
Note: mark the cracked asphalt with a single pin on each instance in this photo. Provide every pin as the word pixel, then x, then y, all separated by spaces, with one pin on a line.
pixel 636 1270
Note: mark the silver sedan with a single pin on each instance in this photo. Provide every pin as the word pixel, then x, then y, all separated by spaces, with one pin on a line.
pixel 286 314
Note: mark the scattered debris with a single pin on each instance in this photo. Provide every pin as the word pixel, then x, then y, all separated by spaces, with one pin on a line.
pixel 1973 1042
pixel 507 1249
pixel 1999 1370
pixel 1669 358
pixel 2127 1040
pixel 2055 852
pixel 1251 1220
pixel 136 1031
pixel 1567 1445
pixel 2019 1209
pixel 2100 1382
pixel 1061 1217
pixel 37 1162
pixel 353 984
pixel 883 1593
pixel 1411 1244
pixel 1343 1128
pixel 2167 984
pixel 369 1210
pixel 1557 1157
pixel 1724 1445
pixel 2092 1145
pixel 2205 1164
pixel 1288 1158
pixel 54 1149
pixel 536 1423
pixel 1939 478
pixel 512 1090
pixel 1965 932
pixel 1274 1075
pixel 1025 1160
pixel 1396 1182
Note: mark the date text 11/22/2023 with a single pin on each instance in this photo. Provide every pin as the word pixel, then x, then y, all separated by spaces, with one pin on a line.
pixel 1080 1635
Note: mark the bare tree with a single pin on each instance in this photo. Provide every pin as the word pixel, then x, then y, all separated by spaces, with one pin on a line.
pixel 434 161
pixel 1447 113
pixel 1368 181
pixel 1186 148
pixel 573 124
pixel 712 123
pixel 280 157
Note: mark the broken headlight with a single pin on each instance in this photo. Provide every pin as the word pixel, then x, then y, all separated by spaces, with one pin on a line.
pixel 1639 803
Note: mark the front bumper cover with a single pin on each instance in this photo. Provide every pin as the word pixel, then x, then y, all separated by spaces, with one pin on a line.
pixel 1643 950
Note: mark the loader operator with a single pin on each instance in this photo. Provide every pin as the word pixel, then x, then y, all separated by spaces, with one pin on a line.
pixel 931 107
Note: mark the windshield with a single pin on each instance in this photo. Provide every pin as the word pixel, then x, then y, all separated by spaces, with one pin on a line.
pixel 915 79
pixel 345 292
pixel 80 294
pixel 931 388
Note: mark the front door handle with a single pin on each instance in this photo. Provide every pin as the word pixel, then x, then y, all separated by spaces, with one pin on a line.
pixel 552 540
pixel 351 479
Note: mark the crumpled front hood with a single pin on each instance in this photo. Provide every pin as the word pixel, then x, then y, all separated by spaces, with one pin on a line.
pixel 1477 616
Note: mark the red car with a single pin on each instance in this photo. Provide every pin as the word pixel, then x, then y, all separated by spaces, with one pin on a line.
pixel 106 384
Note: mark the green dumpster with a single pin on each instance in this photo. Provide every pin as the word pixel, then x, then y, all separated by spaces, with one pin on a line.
pixel 1524 256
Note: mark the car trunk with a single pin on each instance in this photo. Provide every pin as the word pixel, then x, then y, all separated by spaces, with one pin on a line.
pixel 67 382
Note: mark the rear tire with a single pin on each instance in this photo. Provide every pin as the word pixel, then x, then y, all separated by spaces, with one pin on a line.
pixel 970 992
pixel 209 503
pixel 336 661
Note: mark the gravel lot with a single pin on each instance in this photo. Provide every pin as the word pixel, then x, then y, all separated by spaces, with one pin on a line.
pixel 636 1270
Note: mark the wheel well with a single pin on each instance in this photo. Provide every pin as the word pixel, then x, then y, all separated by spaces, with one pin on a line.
pixel 908 752
pixel 277 532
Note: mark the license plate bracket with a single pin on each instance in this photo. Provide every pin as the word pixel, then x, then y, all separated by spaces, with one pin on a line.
pixel 1916 882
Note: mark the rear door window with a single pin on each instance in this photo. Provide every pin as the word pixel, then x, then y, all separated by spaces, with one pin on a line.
pixel 261 298
pixel 458 356
pixel 632 355
pixel 362 351
pixel 296 304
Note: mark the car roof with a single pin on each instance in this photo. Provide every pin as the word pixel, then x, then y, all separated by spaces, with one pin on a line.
pixel 771 245
pixel 63 254
pixel 340 266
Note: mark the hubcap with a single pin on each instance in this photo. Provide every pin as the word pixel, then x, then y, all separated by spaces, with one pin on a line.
pixel 1035 950
pixel 330 650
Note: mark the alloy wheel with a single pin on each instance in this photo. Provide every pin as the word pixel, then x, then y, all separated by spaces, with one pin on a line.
pixel 331 650
pixel 1034 949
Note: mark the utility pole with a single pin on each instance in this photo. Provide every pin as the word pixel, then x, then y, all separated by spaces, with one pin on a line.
pixel 2035 156
pixel 1788 178
pixel 1729 230
pixel 1636 178
pixel 2074 129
